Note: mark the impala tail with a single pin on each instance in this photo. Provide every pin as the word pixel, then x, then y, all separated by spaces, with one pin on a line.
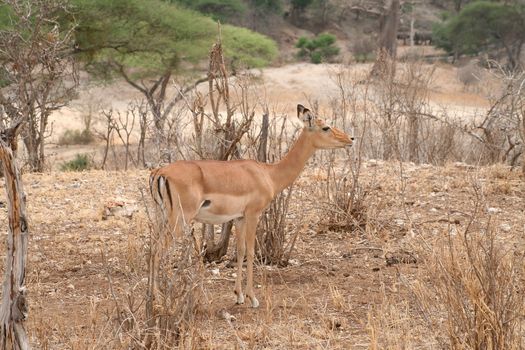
pixel 160 192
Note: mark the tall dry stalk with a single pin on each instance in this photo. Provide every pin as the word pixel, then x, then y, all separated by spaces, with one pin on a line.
pixel 475 296
pixel 157 312
pixel 345 197
pixel 274 246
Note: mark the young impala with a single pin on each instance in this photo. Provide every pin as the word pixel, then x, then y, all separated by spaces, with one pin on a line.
pixel 215 192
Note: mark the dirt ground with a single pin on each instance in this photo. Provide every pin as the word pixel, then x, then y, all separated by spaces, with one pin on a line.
pixel 326 298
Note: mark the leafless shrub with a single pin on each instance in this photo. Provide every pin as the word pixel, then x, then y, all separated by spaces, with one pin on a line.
pixel 142 111
pixel 106 135
pixel 501 132
pixel 123 126
pixel 403 125
pixel 415 83
pixel 158 313
pixel 273 244
pixel 345 206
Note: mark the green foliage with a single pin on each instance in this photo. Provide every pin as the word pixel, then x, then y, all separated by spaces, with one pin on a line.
pixel 5 16
pixel 301 4
pixel 483 26
pixel 274 6
pixel 154 36
pixel 79 163
pixel 319 49
pixel 76 137
pixel 407 7
pixel 218 9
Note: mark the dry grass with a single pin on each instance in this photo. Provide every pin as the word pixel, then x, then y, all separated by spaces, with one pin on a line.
pixel 338 291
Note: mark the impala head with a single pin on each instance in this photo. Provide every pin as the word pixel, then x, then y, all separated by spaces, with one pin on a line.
pixel 323 136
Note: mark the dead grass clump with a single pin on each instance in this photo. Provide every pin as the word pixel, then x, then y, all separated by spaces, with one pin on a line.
pixel 475 296
pixel 499 172
pixel 393 325
pixel 347 208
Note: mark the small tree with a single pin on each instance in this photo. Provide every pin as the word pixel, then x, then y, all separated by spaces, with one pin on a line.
pixel 319 49
pixel 37 68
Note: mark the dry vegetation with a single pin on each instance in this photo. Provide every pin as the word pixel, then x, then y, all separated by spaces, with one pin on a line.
pixel 423 249
pixel 341 289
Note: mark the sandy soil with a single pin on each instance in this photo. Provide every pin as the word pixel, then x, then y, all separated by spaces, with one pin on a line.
pixel 284 86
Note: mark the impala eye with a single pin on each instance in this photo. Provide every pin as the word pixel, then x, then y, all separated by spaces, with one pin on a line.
pixel 326 128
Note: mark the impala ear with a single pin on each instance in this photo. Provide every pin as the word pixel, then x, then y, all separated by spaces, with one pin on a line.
pixel 305 115
pixel 300 110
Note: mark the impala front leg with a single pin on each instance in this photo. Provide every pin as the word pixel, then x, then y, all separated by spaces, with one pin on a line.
pixel 250 230
pixel 240 228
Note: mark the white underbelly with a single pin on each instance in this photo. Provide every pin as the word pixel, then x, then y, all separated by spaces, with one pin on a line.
pixel 221 208
pixel 206 217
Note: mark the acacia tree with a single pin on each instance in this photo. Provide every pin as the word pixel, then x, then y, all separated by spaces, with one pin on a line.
pixel 38 72
pixel 146 42
pixel 484 26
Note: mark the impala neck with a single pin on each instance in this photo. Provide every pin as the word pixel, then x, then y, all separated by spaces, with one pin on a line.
pixel 284 173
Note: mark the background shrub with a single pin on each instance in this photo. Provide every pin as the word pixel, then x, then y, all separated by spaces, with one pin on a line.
pixel 319 49
pixel 363 49
pixel 79 163
pixel 76 137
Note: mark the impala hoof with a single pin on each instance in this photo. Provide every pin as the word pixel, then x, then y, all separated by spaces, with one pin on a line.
pixel 240 299
pixel 255 302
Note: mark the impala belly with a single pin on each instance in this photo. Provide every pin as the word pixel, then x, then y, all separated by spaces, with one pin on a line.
pixel 219 208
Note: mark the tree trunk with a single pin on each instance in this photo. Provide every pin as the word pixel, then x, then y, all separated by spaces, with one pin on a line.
pixel 413 132
pixel 263 141
pixel 412 20
pixel 13 311
pixel 388 27
pixel 33 153
pixel 388 24
pixel 523 150
pixel 215 251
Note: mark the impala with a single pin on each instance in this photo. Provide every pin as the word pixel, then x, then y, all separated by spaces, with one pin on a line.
pixel 215 192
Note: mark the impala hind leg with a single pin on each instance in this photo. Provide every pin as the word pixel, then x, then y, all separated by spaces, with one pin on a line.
pixel 240 232
pixel 250 231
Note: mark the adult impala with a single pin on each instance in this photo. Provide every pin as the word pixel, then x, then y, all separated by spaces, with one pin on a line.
pixel 214 192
